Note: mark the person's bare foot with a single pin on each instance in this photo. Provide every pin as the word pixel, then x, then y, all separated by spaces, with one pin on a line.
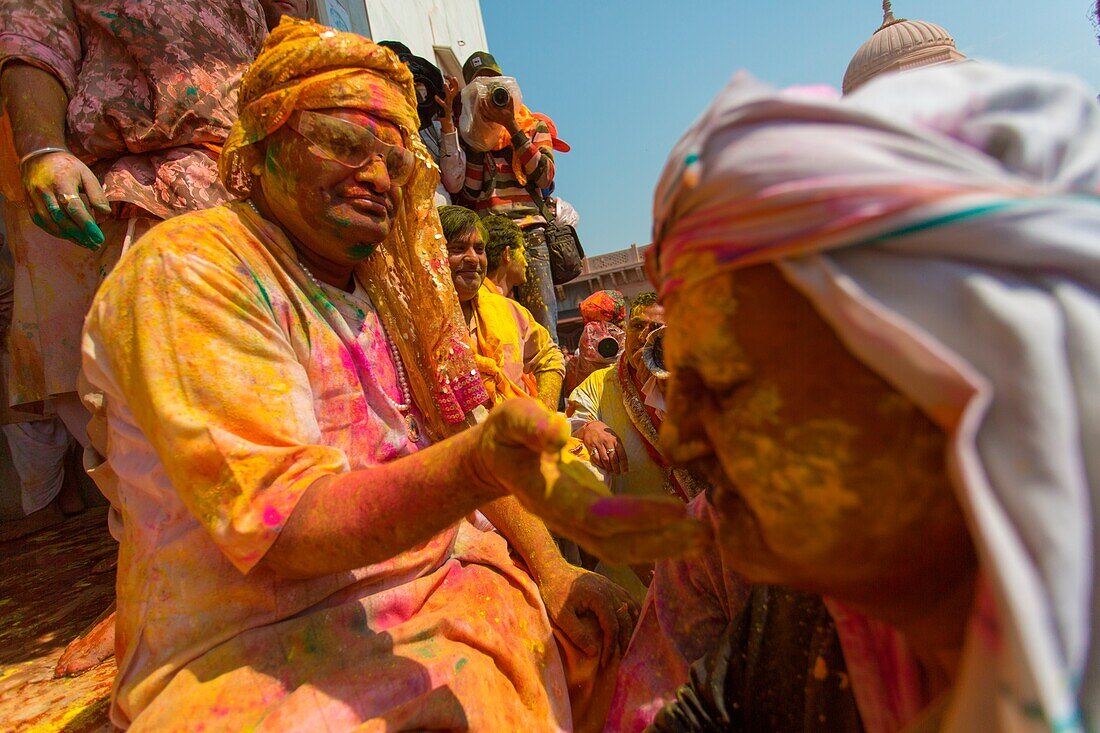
pixel 92 646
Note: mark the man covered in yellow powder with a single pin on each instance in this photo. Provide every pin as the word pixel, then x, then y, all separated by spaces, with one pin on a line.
pixel 514 351
pixel 884 339
pixel 517 358
pixel 295 554
pixel 505 256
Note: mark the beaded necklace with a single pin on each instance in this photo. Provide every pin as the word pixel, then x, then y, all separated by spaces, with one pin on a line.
pixel 404 407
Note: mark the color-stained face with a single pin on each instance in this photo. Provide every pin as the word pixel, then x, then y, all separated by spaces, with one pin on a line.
pixel 642 322
pixel 466 257
pixel 517 265
pixel 825 476
pixel 341 212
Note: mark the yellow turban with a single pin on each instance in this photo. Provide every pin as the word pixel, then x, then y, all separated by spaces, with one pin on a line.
pixel 303 65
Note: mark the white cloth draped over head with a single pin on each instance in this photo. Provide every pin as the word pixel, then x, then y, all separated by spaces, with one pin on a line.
pixel 945 222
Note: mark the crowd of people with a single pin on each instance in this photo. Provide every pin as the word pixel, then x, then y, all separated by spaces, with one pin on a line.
pixel 836 472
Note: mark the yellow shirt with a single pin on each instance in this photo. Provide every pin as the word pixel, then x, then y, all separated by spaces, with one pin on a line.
pixel 600 397
pixel 508 334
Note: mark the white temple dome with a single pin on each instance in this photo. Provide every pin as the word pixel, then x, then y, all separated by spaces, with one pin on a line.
pixel 898 45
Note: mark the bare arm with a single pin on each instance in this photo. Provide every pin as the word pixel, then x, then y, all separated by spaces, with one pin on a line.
pixel 549 388
pixel 362 517
pixel 592 611
pixel 543 359
pixel 36 102
pixel 352 519
pixel 452 162
pixel 526 534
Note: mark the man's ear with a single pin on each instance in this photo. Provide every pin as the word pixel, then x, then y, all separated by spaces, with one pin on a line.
pixel 506 257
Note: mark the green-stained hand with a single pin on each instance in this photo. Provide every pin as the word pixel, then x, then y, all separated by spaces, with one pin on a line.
pixel 60 188
pixel 519 448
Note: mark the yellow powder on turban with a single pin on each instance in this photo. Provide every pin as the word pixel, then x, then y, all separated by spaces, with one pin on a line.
pixel 303 65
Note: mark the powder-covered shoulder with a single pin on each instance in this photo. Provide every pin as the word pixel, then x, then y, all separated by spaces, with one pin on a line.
pixel 592 388
pixel 211 241
pixel 211 232
pixel 207 255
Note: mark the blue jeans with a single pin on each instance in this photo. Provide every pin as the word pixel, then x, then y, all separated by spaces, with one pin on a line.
pixel 537 294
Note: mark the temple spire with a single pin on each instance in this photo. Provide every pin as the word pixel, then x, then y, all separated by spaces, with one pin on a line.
pixel 887 12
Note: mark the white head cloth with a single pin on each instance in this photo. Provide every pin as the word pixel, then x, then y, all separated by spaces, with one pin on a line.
pixel 945 222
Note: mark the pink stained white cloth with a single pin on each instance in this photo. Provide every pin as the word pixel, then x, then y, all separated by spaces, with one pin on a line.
pixel 945 223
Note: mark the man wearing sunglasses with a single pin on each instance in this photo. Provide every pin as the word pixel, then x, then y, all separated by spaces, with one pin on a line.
pixel 287 385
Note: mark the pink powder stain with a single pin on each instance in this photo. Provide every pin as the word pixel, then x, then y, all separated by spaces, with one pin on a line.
pixel 272 517
pixel 347 360
pixel 398 612
pixel 613 507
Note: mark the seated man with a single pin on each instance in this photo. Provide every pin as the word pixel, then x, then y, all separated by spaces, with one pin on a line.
pixel 515 354
pixel 294 553
pixel 883 328
pixel 618 410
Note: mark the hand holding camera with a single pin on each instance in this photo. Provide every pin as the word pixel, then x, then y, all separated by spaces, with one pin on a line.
pixel 489 107
pixel 498 107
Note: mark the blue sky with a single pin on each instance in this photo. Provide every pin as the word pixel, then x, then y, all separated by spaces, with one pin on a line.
pixel 623 79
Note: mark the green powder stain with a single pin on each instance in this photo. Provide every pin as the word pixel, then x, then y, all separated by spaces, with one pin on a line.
pixel 192 91
pixel 426 651
pixel 270 162
pixel 460 664
pixel 362 251
pixel 312 640
pixel 263 292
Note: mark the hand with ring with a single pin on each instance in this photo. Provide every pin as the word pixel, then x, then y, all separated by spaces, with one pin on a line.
pixel 604 446
pixel 54 183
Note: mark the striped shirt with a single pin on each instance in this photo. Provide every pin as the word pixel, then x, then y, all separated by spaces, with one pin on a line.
pixel 492 185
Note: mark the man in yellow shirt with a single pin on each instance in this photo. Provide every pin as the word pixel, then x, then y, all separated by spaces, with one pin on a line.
pixel 515 355
pixel 616 412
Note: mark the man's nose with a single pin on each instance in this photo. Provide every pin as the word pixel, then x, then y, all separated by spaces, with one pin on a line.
pixel 375 174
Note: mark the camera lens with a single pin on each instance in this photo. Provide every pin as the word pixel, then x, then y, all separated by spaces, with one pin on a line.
pixel 499 96
pixel 608 347
pixel 653 353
